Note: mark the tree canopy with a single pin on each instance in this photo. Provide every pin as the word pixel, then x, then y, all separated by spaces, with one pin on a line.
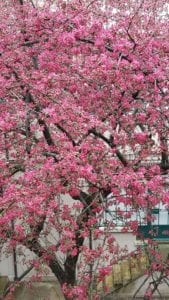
pixel 84 92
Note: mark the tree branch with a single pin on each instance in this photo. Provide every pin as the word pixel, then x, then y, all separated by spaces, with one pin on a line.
pixel 108 48
pixel 111 144
pixel 66 133
pixel 46 132
pixel 54 265
pixel 71 261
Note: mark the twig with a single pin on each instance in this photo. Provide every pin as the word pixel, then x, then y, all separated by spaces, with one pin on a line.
pixel 139 288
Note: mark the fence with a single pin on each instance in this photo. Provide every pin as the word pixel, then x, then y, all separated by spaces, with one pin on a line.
pixel 124 271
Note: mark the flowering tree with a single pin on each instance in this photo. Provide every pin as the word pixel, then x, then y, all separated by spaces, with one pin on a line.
pixel 84 106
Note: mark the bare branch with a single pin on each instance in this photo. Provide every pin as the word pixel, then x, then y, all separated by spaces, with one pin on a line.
pixel 46 132
pixel 111 144
pixel 66 133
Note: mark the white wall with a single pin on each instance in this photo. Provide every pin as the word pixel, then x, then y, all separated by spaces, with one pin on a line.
pixel 7 263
